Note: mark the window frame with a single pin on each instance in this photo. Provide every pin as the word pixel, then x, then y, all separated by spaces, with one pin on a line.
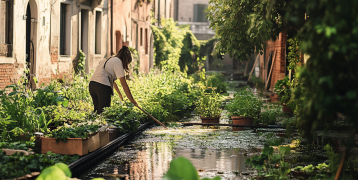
pixel 8 31
pixel 97 10
pixel 63 56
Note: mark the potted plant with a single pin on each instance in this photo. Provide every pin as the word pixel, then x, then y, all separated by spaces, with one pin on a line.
pixel 208 107
pixel 283 90
pixel 244 108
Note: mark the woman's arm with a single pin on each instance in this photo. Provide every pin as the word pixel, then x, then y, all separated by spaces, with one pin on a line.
pixel 127 90
pixel 116 88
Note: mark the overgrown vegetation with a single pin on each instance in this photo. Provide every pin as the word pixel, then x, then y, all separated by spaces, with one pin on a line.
pixel 321 32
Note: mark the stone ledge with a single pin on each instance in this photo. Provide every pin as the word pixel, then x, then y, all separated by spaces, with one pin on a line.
pixel 7 60
pixel 64 58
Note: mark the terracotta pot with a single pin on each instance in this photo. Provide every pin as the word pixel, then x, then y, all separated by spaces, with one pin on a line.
pixel 210 119
pixel 275 95
pixel 70 147
pixel 273 99
pixel 241 120
pixel 286 109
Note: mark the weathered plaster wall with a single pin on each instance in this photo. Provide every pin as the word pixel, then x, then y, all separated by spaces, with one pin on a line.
pixel 141 18
pixel 122 23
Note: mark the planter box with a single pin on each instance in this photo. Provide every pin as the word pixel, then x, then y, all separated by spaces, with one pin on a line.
pixel 104 137
pixel 114 133
pixel 10 152
pixel 210 119
pixel 94 142
pixel 70 147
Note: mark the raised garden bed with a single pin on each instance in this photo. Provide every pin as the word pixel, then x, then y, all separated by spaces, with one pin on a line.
pixel 70 147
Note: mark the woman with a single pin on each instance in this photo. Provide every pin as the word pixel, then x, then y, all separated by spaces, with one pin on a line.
pixel 103 80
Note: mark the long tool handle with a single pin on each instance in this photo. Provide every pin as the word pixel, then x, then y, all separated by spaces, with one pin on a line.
pixel 152 117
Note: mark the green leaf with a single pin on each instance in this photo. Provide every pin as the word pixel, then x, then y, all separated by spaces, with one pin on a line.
pixel 276 158
pixel 181 169
pixel 285 149
pixel 52 173
pixel 64 168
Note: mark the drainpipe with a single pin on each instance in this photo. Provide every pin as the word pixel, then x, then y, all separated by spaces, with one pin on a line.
pixel 111 36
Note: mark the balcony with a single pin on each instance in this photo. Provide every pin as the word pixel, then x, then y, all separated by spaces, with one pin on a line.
pixel 199 27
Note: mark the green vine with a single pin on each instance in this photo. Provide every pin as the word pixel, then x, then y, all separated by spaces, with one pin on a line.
pixel 293 54
pixel 81 63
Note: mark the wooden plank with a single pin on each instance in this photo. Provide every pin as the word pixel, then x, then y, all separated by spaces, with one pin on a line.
pixel 273 61
pixel 253 67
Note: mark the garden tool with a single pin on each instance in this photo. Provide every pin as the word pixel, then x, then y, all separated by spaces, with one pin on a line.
pixel 152 117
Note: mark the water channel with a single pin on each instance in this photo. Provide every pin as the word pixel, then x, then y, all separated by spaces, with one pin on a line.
pixel 214 151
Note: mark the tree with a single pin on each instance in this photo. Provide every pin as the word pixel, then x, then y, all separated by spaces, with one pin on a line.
pixel 243 26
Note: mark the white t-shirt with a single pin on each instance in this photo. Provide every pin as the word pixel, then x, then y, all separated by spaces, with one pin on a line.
pixel 114 69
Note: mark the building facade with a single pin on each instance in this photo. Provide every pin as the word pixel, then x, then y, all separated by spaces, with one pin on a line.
pixel 46 36
pixel 192 12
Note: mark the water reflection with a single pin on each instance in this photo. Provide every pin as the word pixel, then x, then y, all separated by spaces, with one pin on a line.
pixel 152 161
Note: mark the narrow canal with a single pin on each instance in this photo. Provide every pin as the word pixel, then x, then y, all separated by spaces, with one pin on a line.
pixel 214 151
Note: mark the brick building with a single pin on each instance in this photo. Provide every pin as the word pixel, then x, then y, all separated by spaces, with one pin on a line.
pixel 47 35
pixel 275 56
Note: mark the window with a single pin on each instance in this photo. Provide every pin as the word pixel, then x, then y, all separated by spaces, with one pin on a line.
pixel 146 40
pixel 98 33
pixel 199 14
pixel 6 28
pixel 65 30
pixel 141 36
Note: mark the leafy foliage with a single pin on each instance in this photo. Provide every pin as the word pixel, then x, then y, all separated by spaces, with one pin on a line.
pixel 17 145
pixel 64 132
pixel 189 60
pixel 81 63
pixel 283 90
pixel 216 82
pixel 167 96
pixel 245 103
pixel 167 45
pixel 263 163
pixel 59 171
pixel 243 26
pixel 268 117
pixel 209 105
pixel 123 116
pixel 26 164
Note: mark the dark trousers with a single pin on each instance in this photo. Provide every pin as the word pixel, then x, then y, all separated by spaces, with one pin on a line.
pixel 101 96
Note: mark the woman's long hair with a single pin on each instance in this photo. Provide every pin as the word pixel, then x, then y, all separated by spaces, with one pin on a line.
pixel 126 57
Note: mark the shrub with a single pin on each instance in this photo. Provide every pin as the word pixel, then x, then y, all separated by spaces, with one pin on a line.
pixel 245 103
pixel 216 82
pixel 209 105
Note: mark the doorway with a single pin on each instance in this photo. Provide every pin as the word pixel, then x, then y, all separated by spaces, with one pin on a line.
pixel 84 36
pixel 30 49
